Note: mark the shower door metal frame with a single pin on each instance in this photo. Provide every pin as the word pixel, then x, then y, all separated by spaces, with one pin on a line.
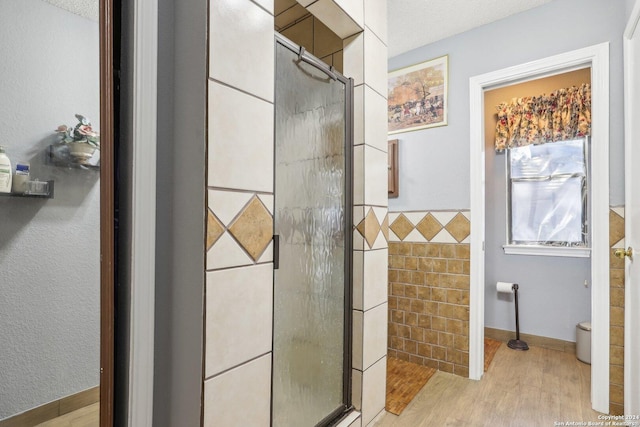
pixel 306 57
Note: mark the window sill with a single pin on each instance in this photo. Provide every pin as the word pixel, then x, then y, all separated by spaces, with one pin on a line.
pixel 558 251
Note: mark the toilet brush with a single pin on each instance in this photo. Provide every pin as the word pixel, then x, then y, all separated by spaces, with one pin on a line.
pixel 517 344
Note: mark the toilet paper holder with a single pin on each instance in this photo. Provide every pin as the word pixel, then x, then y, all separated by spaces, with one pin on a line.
pixel 516 344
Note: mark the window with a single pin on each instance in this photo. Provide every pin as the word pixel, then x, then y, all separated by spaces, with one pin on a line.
pixel 548 196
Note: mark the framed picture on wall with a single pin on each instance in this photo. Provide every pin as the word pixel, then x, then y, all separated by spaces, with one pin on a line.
pixel 417 96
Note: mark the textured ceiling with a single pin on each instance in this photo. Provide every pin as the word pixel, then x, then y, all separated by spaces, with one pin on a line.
pixel 85 8
pixel 415 23
pixel 412 23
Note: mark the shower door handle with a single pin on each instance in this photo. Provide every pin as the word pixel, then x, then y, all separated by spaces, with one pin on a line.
pixel 304 57
pixel 276 251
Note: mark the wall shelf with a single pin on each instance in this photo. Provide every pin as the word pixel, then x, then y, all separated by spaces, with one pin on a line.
pixel 33 196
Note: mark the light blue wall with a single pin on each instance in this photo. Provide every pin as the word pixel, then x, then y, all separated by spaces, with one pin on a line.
pixel 629 6
pixel 553 298
pixel 434 163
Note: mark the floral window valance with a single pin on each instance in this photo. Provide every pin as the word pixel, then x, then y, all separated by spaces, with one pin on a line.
pixel 564 114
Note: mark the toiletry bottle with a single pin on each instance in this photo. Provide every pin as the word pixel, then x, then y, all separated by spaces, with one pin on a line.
pixel 5 172
pixel 20 178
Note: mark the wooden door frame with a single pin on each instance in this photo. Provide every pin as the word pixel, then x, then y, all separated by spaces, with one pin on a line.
pixel 107 215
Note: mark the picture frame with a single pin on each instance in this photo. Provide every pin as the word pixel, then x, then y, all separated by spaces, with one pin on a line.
pixel 418 96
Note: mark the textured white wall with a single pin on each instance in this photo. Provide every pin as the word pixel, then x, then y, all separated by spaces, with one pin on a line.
pixel 86 8
pixel 49 250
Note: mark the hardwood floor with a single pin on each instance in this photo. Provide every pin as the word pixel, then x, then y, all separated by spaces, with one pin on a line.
pixel 532 388
pixel 404 382
pixel 89 416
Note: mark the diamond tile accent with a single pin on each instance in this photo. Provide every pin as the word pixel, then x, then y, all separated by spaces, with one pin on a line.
pixel 253 228
pixel 415 237
pixel 429 227
pixel 459 227
pixel 369 227
pixel 443 237
pixel 227 253
pixel 619 210
pixel 385 228
pixel 401 227
pixel 616 228
pixel 214 229
pixel 416 217
pixel 443 217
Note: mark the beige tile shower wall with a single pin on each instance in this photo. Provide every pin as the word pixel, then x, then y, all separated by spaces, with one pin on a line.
pixel 239 276
pixel 241 197
pixel 429 264
pixel 304 29
pixel 365 60
pixel 616 338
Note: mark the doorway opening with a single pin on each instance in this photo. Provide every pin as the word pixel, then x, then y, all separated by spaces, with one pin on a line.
pixel 541 192
pixel 595 57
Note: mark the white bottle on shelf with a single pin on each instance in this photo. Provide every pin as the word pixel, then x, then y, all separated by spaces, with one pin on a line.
pixel 20 178
pixel 6 173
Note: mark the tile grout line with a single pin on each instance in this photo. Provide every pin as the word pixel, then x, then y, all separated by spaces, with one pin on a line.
pixel 253 359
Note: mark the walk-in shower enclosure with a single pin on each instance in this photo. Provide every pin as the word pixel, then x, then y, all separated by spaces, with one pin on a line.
pixel 312 229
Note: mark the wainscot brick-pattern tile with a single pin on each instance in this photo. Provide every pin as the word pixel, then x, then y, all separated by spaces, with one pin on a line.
pixel 616 393
pixel 617 316
pixel 419 249
pixel 394 248
pixel 616 374
pixel 617 336
pixel 617 355
pixel 429 303
pixel 447 251
pixel 405 249
pixel 616 277
pixel 616 409
pixel 616 319
pixel 617 297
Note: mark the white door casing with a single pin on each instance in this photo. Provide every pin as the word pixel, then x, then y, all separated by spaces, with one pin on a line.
pixel 596 57
pixel 143 224
pixel 631 41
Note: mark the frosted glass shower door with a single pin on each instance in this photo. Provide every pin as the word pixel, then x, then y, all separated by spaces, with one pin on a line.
pixel 311 220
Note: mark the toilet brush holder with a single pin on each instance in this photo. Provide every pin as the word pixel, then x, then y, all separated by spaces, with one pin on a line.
pixel 517 344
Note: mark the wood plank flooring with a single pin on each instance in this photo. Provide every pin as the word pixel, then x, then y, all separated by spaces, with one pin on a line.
pixel 89 416
pixel 521 388
pixel 491 346
pixel 404 381
pixel 58 409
